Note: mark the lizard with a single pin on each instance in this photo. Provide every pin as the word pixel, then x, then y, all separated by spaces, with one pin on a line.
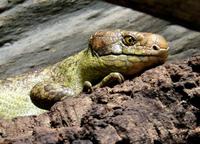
pixel 112 55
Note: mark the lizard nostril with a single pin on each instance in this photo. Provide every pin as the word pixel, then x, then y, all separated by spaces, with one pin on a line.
pixel 155 47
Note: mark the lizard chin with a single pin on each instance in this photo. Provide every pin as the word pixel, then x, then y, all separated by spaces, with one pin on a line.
pixel 130 64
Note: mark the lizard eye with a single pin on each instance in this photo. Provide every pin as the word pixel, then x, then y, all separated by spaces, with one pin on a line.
pixel 129 40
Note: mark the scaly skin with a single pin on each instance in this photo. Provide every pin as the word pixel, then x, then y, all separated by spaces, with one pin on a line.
pixel 110 54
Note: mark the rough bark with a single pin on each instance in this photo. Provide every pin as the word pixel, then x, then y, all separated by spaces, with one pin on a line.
pixel 160 106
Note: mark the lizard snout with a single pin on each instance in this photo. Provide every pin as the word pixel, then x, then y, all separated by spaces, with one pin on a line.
pixel 158 42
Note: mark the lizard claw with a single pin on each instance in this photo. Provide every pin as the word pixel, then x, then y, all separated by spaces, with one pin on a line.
pixel 87 87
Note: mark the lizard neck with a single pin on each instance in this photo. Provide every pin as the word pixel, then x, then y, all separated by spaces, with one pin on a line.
pixel 91 68
pixel 75 70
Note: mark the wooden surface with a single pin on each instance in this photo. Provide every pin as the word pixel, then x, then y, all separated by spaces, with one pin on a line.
pixel 35 33
pixel 184 13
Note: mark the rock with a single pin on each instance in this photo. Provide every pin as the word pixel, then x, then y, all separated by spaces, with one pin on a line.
pixel 3 5
pixel 159 106
pixel 183 13
pixel 36 33
pixel 156 107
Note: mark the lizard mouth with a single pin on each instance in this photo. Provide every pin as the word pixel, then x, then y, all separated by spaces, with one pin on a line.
pixel 135 57
pixel 148 53
pixel 141 51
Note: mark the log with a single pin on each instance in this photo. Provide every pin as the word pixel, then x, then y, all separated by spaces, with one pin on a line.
pixel 36 33
pixel 178 11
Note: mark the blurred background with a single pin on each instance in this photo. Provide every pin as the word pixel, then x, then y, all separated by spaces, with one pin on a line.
pixel 36 33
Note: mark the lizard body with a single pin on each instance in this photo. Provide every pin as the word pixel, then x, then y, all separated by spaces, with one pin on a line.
pixel 110 53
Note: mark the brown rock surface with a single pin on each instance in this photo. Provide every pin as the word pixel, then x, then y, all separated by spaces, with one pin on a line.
pixel 162 105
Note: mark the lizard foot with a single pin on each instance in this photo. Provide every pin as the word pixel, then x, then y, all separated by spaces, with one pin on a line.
pixel 110 80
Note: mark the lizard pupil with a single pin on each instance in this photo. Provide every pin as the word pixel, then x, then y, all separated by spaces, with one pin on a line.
pixel 130 40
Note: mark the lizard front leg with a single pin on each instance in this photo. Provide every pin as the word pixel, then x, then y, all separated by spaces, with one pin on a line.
pixel 45 94
pixel 109 80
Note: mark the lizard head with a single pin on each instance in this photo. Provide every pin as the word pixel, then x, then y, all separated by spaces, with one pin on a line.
pixel 128 52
